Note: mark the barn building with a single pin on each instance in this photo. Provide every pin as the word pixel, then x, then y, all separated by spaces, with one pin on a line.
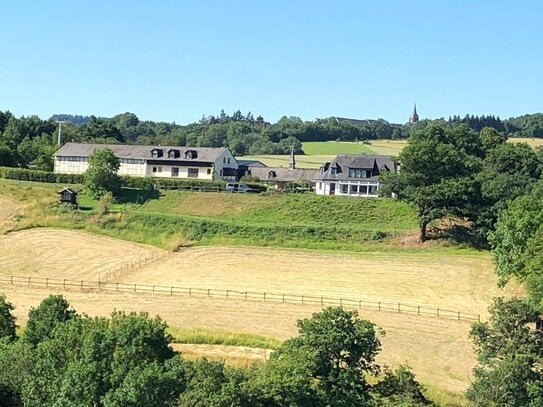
pixel 153 161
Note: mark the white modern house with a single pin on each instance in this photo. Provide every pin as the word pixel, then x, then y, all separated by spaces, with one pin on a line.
pixel 353 175
pixel 153 161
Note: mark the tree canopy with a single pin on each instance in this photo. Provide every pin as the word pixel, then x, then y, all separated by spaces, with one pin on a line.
pixel 101 175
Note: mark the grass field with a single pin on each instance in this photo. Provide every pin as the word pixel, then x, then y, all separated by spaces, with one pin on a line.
pixel 462 281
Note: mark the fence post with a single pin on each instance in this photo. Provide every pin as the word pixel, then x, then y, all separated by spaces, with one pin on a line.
pixel 341 302
pixel 264 296
pixel 190 291
pixel 117 286
pixel 245 295
pixel 283 297
pixel 302 299
pixel 379 305
pixel 11 279
pixel 135 290
pixel 209 292
pixel 359 304
pixel 459 315
pixel 98 285
pixel 437 311
pixel 171 290
pixel 81 286
pixel 399 309
pixel 226 293
pixel 479 317
pixel 28 280
pixel 64 283
pixel 153 289
pixel 47 282
pixel 322 302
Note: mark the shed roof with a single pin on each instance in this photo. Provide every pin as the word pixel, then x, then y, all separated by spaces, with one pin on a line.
pixel 203 154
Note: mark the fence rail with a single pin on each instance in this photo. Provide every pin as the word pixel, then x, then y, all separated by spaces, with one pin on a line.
pixel 97 286
pixel 124 269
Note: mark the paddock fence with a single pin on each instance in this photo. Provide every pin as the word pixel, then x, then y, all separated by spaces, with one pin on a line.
pixel 103 286
pixel 126 268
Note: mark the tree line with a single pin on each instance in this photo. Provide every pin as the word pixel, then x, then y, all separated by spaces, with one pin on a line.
pixel 31 141
pixel 493 190
pixel 67 359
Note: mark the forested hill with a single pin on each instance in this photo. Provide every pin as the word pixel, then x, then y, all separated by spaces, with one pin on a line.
pixel 31 141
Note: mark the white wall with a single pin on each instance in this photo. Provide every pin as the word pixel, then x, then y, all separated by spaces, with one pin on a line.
pixel 225 160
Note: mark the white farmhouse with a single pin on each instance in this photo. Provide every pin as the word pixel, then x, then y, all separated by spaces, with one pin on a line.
pixel 353 175
pixel 153 161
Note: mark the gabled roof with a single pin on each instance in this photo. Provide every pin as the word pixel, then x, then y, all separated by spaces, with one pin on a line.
pixel 282 174
pixel 203 154
pixel 69 190
pixel 338 168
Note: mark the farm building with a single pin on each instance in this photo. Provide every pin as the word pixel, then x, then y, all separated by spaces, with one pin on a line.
pixel 353 175
pixel 68 196
pixel 153 161
pixel 281 177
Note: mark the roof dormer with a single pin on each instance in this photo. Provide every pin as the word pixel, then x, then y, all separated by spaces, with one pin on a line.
pixel 174 153
pixel 191 154
pixel 157 152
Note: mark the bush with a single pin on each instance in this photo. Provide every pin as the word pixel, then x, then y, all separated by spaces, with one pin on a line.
pixel 23 174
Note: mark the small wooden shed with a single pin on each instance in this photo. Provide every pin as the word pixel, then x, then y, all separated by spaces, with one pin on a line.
pixel 68 196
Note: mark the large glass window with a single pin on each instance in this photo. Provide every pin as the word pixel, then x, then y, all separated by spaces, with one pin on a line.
pixel 344 188
pixel 354 189
pixel 193 172
pixel 363 189
pixel 357 173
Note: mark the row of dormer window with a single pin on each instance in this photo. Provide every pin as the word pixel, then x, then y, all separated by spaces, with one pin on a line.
pixel 173 153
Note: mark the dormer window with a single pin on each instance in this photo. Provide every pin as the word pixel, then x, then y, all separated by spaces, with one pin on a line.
pixel 157 152
pixel 272 174
pixel 191 154
pixel 173 153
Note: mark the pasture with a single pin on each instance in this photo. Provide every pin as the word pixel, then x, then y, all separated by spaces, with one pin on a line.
pixel 461 280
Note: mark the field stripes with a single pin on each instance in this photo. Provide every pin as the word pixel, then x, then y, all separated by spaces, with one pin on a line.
pixel 98 286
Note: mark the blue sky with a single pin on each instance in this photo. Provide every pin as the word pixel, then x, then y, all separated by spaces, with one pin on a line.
pixel 176 60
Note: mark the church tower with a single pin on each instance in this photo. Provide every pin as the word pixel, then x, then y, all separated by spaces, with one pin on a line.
pixel 414 117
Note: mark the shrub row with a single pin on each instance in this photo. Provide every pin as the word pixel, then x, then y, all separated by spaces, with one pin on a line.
pixel 197 229
pixel 23 174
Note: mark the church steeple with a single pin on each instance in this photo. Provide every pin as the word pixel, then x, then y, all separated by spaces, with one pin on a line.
pixel 414 117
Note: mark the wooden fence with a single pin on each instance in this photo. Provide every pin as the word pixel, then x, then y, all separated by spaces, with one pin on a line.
pixel 97 286
pixel 124 269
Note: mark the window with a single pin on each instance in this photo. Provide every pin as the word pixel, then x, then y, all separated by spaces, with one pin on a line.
pixel 228 160
pixel 354 189
pixel 209 171
pixel 368 174
pixel 363 189
pixel 193 172
pixel 159 169
pixel 357 173
pixel 333 170
pixel 373 190
pixel 175 172
pixel 224 160
pixel 154 169
pixel 344 189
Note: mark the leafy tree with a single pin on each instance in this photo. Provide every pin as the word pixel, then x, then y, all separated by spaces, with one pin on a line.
pixel 7 320
pixel 43 319
pixel 510 354
pixel 437 173
pixel 512 240
pixel 101 175
pixel 325 364
pixel 399 387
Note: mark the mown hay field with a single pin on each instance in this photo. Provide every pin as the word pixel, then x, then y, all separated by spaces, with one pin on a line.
pixel 438 349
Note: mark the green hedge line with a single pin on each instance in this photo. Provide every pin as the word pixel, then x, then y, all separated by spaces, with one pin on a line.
pixel 196 229
pixel 23 174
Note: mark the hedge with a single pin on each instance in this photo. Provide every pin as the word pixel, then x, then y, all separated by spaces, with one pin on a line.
pixel 24 174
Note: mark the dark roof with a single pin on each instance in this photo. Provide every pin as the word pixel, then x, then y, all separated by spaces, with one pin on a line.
pixel 355 122
pixel 282 174
pixel 250 163
pixel 69 190
pixel 203 154
pixel 342 163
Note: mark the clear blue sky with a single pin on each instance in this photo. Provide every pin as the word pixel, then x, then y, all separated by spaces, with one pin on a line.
pixel 176 60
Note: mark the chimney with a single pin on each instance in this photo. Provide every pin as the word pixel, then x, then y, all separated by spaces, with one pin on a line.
pixel 292 160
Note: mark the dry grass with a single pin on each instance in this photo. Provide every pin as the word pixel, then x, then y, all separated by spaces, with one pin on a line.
pixel 449 281
pixel 7 209
pixel 438 349
pixel 66 254
pixel 532 142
